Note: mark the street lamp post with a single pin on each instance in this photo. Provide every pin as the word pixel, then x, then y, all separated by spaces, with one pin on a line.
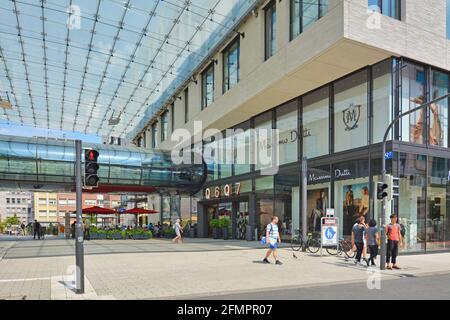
pixel 383 168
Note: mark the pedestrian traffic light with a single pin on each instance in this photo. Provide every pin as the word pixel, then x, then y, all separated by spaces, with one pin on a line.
pixel 382 190
pixel 91 167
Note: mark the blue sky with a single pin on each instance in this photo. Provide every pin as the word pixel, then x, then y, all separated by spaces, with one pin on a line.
pixel 29 131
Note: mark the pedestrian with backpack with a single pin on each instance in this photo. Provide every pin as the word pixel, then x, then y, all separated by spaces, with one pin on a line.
pixel 273 239
pixel 393 232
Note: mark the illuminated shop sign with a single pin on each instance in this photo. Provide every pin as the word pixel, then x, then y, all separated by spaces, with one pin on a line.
pixel 228 190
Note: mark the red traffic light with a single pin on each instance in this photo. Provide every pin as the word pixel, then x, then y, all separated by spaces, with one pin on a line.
pixel 91 155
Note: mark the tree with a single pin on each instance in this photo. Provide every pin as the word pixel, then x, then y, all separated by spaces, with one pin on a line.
pixel 13 220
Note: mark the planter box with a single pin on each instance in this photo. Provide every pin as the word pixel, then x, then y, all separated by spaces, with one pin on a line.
pixel 192 233
pixel 225 233
pixel 141 237
pixel 116 236
pixel 216 233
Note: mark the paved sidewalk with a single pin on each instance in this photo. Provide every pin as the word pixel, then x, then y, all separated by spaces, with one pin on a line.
pixel 195 269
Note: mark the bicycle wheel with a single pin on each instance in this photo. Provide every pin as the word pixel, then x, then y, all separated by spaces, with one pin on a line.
pixel 347 249
pixel 313 245
pixel 296 243
pixel 333 251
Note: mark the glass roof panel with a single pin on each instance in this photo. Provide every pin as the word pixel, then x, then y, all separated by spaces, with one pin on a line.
pixel 74 67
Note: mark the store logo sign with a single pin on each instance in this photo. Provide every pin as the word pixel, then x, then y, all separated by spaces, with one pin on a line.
pixel 351 117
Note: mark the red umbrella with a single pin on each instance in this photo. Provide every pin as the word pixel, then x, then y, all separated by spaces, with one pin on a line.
pixel 138 211
pixel 99 210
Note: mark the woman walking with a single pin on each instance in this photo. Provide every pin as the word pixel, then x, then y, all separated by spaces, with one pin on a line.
pixel 372 239
pixel 178 232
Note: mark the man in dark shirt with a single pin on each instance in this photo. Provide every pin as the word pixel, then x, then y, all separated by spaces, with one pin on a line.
pixel 36 230
pixel 358 234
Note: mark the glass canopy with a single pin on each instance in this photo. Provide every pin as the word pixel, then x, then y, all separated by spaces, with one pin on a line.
pixel 37 161
pixel 103 67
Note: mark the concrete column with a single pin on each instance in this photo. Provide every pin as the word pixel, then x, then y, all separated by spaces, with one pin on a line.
pixel 202 225
pixel 253 214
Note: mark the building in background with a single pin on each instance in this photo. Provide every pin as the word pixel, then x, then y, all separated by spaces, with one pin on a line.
pixel 53 207
pixel 17 203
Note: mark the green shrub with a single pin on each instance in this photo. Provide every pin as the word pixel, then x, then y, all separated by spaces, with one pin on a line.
pixel 214 223
pixel 224 223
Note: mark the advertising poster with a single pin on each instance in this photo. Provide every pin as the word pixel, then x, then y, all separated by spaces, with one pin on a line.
pixel 317 206
pixel 355 204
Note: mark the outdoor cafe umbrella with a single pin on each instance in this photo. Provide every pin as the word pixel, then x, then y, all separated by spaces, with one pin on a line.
pixel 99 211
pixel 138 211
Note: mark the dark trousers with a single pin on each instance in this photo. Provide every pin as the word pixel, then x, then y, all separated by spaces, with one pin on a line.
pixel 373 253
pixel 359 250
pixel 392 251
pixel 37 233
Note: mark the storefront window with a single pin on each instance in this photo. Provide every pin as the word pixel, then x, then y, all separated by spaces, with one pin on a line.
pixel 211 156
pixel 287 123
pixel 412 201
pixel 350 112
pixel 264 202
pixel 242 149
pixel 438 113
pixel 316 123
pixel 413 95
pixel 285 208
pixel 382 102
pixel 438 194
pixel 351 193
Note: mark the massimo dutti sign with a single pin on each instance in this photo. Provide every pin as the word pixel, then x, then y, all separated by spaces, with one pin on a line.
pixel 291 137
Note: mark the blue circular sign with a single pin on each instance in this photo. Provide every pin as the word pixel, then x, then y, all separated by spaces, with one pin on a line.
pixel 329 233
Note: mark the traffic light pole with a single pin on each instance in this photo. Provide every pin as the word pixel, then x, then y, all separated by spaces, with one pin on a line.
pixel 79 250
pixel 384 173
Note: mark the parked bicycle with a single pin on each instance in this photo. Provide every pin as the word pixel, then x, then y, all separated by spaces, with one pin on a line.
pixel 312 244
pixel 344 247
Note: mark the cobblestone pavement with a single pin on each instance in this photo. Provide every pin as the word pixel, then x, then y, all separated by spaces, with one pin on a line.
pixel 158 269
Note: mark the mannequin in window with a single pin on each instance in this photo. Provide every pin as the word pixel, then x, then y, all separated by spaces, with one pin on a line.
pixel 435 133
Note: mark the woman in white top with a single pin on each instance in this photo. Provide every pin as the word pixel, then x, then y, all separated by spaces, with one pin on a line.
pixel 178 232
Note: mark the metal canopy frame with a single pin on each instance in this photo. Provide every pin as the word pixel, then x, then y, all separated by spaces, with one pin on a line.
pixel 72 64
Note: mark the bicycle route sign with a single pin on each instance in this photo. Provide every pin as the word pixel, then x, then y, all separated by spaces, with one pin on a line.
pixel 329 232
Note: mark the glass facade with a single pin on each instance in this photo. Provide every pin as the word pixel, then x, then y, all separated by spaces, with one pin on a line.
pixel 231 65
pixel 390 8
pixel 155 135
pixel 350 112
pixel 270 12
pixel 316 117
pixel 164 126
pixel 304 13
pixel 208 86
pixel 342 125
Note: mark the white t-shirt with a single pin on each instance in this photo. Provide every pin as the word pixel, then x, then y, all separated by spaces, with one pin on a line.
pixel 272 229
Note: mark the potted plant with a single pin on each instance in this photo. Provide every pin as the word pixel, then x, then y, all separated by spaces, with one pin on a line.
pixel 214 224
pixel 224 223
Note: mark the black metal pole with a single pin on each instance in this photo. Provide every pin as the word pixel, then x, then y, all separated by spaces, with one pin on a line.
pixel 383 169
pixel 303 202
pixel 79 249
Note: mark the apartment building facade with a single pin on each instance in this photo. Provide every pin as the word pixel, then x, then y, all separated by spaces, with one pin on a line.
pixel 53 207
pixel 330 75
pixel 18 204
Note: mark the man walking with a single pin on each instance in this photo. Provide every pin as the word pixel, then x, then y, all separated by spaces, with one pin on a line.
pixel 393 231
pixel 36 230
pixel 358 234
pixel 273 239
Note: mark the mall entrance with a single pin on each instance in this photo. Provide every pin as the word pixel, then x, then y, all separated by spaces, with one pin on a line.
pixel 234 214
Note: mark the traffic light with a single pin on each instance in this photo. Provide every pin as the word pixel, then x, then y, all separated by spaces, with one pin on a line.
pixel 382 190
pixel 90 168
pixel 394 187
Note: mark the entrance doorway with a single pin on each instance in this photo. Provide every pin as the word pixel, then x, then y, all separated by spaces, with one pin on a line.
pixel 237 213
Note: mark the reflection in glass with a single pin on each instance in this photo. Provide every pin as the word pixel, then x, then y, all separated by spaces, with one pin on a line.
pixel 413 95
pixel 315 123
pixel 438 112
pixel 412 201
pixel 231 66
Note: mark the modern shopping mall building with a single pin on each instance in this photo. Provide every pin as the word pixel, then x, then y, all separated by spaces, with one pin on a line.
pixel 330 75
